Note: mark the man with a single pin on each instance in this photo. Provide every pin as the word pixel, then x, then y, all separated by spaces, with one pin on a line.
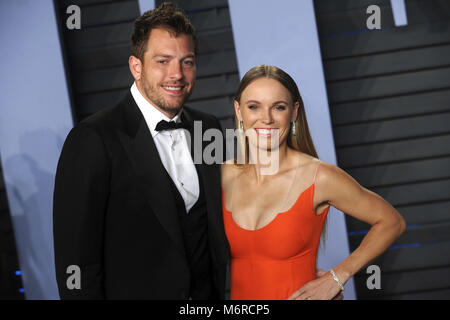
pixel 131 210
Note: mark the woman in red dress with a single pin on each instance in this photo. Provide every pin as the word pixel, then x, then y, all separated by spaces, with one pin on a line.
pixel 277 194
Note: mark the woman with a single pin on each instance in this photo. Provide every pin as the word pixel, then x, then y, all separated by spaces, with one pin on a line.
pixel 274 220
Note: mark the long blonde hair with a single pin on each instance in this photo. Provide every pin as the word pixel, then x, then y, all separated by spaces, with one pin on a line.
pixel 302 140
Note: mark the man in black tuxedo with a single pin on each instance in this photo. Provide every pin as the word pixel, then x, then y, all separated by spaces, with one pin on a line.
pixel 131 210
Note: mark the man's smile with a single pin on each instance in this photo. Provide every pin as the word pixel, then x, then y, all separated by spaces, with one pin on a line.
pixel 174 89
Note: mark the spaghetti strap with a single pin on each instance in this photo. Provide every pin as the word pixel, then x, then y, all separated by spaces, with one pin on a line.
pixel 232 191
pixel 315 173
pixel 292 183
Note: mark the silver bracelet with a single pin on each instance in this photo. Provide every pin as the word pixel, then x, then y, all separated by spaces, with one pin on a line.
pixel 337 280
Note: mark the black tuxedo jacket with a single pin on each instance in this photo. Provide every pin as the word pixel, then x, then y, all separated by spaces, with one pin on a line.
pixel 115 216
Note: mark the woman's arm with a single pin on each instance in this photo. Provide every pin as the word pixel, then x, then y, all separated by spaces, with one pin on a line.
pixel 340 190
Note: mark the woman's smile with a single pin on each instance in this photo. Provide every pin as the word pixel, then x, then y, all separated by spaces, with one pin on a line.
pixel 266 132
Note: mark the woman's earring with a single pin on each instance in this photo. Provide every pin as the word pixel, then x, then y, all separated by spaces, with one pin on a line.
pixel 294 131
pixel 241 141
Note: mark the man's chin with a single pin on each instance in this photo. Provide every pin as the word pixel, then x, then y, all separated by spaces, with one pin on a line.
pixel 175 104
pixel 173 109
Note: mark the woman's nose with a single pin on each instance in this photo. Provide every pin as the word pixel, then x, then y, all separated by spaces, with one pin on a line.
pixel 267 117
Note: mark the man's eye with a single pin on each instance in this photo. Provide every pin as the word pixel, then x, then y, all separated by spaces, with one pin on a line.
pixel 189 63
pixel 162 61
pixel 252 107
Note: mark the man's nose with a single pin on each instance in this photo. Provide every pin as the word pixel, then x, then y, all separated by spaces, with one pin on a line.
pixel 175 70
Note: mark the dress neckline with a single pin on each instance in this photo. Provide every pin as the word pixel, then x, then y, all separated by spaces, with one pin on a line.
pixel 273 220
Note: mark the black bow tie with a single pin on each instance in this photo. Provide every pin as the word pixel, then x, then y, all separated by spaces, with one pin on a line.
pixel 164 125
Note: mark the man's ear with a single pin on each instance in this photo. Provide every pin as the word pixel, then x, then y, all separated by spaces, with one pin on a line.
pixel 237 110
pixel 135 65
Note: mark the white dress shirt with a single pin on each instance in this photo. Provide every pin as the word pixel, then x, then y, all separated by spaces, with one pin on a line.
pixel 173 150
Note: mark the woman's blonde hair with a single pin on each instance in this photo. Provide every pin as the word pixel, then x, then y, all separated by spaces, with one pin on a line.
pixel 302 140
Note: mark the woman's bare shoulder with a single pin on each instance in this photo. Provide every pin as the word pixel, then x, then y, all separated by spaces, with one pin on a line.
pixel 333 182
pixel 318 170
pixel 305 161
pixel 330 172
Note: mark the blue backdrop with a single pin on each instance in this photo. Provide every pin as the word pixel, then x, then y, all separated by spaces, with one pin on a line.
pixel 35 118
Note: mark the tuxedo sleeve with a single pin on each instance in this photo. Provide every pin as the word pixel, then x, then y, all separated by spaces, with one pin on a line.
pixel 79 206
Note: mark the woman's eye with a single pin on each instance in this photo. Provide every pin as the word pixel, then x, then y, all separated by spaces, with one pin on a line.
pixel 252 107
pixel 280 108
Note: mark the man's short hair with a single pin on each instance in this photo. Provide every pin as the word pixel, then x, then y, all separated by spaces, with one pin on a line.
pixel 166 16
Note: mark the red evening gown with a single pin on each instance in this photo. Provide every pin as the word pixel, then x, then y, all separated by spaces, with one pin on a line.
pixel 272 262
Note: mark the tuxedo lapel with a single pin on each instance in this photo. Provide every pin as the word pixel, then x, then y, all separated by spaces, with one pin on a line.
pixel 155 186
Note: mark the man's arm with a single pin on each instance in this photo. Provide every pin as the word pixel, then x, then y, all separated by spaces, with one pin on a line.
pixel 79 205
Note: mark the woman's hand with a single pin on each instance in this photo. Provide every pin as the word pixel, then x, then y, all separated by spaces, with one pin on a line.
pixel 322 288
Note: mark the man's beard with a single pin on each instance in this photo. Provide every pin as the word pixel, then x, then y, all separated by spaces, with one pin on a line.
pixel 152 93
